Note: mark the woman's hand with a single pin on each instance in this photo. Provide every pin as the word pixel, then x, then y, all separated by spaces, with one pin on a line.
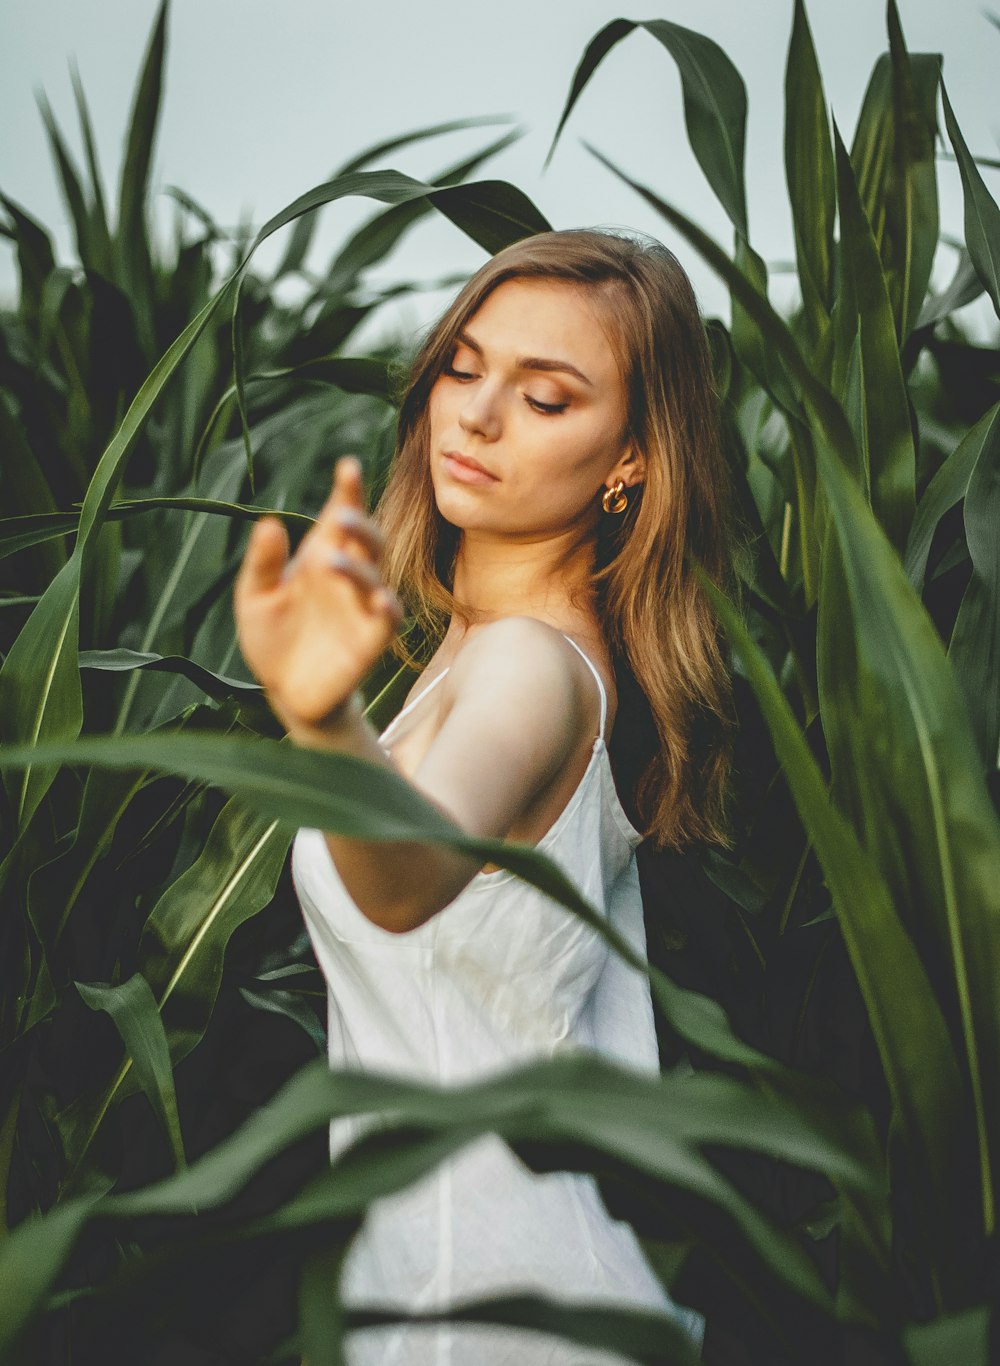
pixel 310 627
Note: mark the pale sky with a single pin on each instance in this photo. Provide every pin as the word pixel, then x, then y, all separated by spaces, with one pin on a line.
pixel 262 101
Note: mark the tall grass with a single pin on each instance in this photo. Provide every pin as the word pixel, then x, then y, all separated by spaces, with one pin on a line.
pixel 813 1205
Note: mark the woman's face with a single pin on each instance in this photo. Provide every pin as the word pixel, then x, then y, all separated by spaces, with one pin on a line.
pixel 533 395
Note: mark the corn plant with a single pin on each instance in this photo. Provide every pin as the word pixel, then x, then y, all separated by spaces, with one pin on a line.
pixel 813 1206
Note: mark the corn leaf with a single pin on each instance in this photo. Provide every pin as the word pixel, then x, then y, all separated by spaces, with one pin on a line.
pixel 948 487
pixel 864 316
pixel 907 770
pixel 982 216
pixel 963 1337
pixel 301 237
pixel 124 661
pixel 817 400
pixel 893 159
pixel 914 206
pixel 135 267
pixel 974 648
pixel 132 1007
pixel 906 1021
pixel 100 235
pixel 653 1127
pixel 809 172
pixel 40 696
pixel 715 103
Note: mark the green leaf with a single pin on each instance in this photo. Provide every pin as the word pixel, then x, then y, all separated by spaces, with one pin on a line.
pixel 176 572
pixel 907 1024
pixel 893 158
pixel 305 787
pixel 322 1323
pixel 72 189
pixel 864 314
pixel 642 1335
pixel 300 239
pixel 132 1007
pixel 982 216
pixel 135 273
pixel 182 951
pixel 351 374
pixel 809 171
pixel 100 232
pixel 914 207
pixel 653 1127
pixel 963 1337
pixel 948 487
pixel 25 487
pixel 825 411
pixel 293 1006
pixel 40 697
pixel 974 648
pixel 18 533
pixel 40 681
pixel 35 258
pixel 715 104
pixel 121 660
pixel 44 1242
pixel 964 288
pixel 54 886
pixel 376 238
pixel 907 769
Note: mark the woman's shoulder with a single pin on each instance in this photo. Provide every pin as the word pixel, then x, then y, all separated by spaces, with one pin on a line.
pixel 515 644
pixel 532 663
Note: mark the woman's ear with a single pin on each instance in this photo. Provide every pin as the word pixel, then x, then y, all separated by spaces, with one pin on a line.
pixel 631 467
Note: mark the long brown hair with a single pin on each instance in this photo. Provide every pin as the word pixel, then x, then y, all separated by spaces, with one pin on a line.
pixel 656 618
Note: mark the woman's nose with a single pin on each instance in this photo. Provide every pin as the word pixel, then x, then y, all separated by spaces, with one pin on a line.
pixel 480 412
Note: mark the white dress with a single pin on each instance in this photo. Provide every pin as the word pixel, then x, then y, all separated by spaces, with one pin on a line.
pixel 502 975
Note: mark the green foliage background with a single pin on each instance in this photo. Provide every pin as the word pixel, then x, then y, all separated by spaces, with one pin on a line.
pixel 816 1167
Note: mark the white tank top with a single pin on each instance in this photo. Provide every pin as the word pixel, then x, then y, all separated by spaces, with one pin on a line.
pixel 501 975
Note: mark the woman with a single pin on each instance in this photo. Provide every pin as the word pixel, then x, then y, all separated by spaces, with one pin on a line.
pixel 557 469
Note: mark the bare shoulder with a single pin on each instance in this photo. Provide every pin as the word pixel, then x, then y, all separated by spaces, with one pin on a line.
pixel 525 660
pixel 516 643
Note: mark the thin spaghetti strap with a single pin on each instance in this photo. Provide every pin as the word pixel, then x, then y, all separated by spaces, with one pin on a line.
pixel 410 705
pixel 600 681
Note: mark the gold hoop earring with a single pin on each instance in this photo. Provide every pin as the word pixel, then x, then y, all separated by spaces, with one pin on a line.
pixel 614 499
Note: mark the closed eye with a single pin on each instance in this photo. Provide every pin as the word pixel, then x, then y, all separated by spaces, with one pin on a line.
pixel 547 408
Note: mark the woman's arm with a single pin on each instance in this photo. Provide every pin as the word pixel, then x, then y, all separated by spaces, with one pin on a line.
pixel 512 709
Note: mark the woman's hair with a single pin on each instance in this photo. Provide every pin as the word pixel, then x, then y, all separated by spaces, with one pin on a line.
pixel 656 618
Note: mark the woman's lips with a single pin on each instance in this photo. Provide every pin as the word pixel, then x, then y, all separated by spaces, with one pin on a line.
pixel 465 473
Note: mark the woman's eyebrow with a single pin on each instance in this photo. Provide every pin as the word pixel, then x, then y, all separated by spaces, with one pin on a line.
pixel 528 362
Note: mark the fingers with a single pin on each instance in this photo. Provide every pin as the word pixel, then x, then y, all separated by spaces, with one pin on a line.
pixel 362 573
pixel 348 488
pixel 366 578
pixel 265 556
pixel 343 522
pixel 355 526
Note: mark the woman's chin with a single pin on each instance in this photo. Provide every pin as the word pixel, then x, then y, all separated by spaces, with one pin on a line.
pixel 460 511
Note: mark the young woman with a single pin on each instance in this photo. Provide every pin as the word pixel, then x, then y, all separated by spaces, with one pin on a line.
pixel 557 470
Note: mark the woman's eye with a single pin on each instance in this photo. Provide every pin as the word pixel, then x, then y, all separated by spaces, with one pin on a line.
pixel 536 403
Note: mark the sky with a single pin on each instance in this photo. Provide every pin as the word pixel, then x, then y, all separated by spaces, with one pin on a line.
pixel 262 101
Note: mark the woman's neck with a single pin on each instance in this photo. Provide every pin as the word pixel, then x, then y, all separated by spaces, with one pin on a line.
pixel 547 578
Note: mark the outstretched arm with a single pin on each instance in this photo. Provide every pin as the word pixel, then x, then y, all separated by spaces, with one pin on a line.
pixel 311 627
